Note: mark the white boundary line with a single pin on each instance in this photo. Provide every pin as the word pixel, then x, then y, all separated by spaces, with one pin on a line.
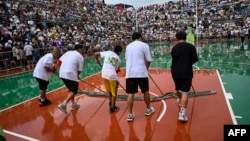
pixel 38 94
pixel 227 100
pixel 20 136
pixel 11 75
pixel 196 67
pixel 164 110
pixel 28 100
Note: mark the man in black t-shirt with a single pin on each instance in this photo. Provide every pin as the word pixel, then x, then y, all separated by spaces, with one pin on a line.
pixel 184 55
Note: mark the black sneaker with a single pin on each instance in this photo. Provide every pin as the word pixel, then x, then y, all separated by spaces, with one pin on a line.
pixel 114 109
pixel 45 102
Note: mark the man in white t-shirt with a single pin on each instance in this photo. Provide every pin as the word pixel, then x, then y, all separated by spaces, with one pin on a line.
pixel 42 73
pixel 138 59
pixel 110 68
pixel 70 68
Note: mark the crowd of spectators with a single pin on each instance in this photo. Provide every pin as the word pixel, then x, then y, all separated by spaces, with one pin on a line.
pixel 34 26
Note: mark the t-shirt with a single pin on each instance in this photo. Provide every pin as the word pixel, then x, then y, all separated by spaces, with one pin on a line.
pixel 45 61
pixel 183 56
pixel 72 62
pixel 28 50
pixel 137 54
pixel 111 63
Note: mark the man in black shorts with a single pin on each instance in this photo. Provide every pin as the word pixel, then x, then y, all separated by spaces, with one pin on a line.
pixel 138 59
pixel 184 55
pixel 42 72
pixel 70 70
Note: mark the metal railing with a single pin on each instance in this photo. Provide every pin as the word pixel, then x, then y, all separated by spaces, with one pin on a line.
pixel 10 60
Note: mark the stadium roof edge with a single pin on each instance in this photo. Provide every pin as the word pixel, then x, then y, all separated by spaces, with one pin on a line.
pixel 123 5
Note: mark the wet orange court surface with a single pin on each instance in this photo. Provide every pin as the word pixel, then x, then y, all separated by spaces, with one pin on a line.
pixel 93 121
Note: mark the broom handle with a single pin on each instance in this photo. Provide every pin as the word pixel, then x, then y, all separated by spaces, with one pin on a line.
pixel 155 84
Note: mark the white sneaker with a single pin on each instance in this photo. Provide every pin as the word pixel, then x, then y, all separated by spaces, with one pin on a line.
pixel 182 117
pixel 74 106
pixel 149 111
pixel 62 107
pixel 131 117
pixel 178 102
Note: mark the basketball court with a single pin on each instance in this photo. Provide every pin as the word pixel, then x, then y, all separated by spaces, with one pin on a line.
pixel 92 121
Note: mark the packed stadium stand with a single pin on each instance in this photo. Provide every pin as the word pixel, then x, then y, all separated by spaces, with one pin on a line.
pixel 44 24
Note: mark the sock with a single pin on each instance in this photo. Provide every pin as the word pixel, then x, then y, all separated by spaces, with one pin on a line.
pixel 183 110
pixel 42 99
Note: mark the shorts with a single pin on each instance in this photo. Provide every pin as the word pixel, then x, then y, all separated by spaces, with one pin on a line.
pixel 133 83
pixel 43 84
pixel 111 86
pixel 71 85
pixel 183 84
pixel 29 57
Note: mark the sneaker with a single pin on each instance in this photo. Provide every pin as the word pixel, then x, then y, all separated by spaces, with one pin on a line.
pixel 45 102
pixel 149 111
pixel 62 107
pixel 182 117
pixel 114 109
pixel 131 117
pixel 178 102
pixel 74 106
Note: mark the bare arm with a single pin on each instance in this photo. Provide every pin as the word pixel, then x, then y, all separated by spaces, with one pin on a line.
pixel 78 74
pixel 48 69
pixel 52 70
pixel 97 56
pixel 148 64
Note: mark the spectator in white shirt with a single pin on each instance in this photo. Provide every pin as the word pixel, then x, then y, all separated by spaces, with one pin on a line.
pixel 28 53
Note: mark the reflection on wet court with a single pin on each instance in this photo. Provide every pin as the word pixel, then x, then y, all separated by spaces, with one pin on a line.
pixel 230 58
